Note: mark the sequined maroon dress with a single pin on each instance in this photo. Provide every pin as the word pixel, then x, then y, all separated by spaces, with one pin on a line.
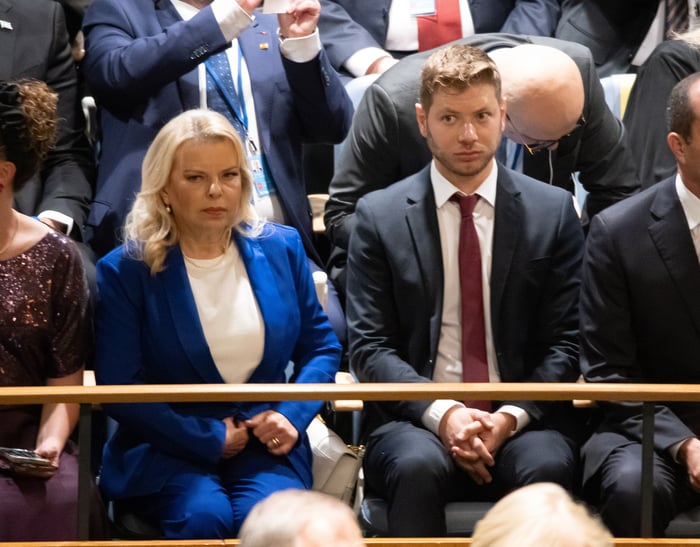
pixel 43 334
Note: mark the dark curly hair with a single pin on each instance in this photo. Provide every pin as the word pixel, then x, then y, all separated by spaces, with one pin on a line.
pixel 27 126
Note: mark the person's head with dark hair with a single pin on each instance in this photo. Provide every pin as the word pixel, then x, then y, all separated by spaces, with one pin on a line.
pixel 27 129
pixel 679 111
pixel 682 120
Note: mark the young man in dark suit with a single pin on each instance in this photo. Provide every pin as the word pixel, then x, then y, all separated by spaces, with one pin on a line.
pixel 640 322
pixel 408 308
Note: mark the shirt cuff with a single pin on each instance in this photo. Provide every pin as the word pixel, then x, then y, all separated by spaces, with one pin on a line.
pixel 65 220
pixel 674 448
pixel 232 18
pixel 301 49
pixel 358 63
pixel 522 418
pixel 433 415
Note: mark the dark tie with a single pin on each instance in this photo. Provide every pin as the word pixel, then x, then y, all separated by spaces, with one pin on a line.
pixel 474 364
pixel 220 88
pixel 676 16
pixel 441 27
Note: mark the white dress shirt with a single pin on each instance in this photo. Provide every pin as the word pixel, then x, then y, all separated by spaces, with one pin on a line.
pixel 448 363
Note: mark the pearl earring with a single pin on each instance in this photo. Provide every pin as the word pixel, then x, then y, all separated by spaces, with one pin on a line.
pixel 168 209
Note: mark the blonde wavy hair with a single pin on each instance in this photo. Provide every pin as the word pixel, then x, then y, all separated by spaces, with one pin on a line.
pixel 540 515
pixel 150 230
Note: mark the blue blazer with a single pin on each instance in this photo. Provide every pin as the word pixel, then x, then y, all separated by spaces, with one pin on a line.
pixel 141 66
pixel 148 332
pixel 349 25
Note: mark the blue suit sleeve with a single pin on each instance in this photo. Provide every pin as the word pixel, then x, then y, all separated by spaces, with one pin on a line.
pixel 121 313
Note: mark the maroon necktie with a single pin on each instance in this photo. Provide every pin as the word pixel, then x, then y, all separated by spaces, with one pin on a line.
pixel 474 364
pixel 445 25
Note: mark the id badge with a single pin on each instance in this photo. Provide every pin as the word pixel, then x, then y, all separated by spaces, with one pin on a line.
pixel 261 182
pixel 421 7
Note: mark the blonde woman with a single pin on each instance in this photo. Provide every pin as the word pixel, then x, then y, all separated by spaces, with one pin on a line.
pixel 202 292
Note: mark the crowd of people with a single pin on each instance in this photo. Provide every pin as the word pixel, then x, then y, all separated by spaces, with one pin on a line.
pixel 174 245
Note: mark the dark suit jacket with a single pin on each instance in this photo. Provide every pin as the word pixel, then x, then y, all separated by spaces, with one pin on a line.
pixel 645 115
pixel 37 47
pixel 340 20
pixel 148 331
pixel 385 145
pixel 141 65
pixel 640 314
pixel 395 288
pixel 612 29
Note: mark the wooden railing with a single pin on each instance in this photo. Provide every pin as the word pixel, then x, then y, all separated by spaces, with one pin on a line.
pixel 88 395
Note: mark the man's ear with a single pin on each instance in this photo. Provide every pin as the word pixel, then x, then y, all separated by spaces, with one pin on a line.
pixel 421 118
pixel 677 145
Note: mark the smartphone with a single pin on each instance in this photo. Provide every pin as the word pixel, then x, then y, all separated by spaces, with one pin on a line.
pixel 25 458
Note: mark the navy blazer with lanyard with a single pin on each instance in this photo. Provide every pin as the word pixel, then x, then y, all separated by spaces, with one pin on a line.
pixel 141 65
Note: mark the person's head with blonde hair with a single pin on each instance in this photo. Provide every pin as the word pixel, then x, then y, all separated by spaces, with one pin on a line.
pixel 301 518
pixel 151 228
pixel 540 515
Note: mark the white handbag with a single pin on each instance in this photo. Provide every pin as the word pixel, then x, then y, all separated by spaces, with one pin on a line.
pixel 335 465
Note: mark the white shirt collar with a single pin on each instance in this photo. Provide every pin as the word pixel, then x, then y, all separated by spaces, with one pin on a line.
pixel 690 204
pixel 443 189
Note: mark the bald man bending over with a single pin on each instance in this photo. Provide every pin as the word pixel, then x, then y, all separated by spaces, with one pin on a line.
pixel 556 108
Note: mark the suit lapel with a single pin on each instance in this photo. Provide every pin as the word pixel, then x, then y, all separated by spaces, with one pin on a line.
pixel 266 290
pixel 669 232
pixel 7 38
pixel 506 233
pixel 421 218
pixel 183 310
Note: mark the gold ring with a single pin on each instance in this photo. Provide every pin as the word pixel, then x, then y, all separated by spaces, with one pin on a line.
pixel 275 442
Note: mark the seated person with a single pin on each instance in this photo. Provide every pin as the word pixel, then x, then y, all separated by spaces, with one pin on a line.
pixel 640 322
pixel 368 36
pixel 301 518
pixel 556 110
pixel 645 115
pixel 540 514
pixel 145 63
pixel 43 328
pixel 204 292
pixel 481 290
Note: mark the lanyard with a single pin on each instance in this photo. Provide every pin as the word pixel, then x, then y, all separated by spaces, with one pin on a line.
pixel 233 102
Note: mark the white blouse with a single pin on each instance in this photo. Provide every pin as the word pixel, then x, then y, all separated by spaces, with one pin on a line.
pixel 229 313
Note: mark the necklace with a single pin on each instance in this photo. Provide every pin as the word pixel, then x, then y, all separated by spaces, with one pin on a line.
pixel 12 237
pixel 208 263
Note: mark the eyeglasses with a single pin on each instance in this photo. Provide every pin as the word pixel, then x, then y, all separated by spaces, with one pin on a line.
pixel 535 146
